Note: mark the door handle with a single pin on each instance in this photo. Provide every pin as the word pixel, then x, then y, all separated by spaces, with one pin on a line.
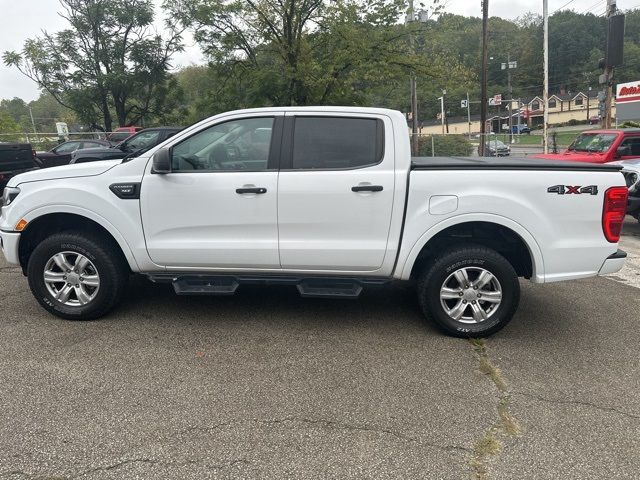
pixel 367 188
pixel 256 190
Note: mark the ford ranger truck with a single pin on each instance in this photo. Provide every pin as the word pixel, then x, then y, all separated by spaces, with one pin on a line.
pixel 600 146
pixel 326 199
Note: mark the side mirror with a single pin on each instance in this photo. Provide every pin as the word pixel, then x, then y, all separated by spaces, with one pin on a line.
pixel 162 161
pixel 623 152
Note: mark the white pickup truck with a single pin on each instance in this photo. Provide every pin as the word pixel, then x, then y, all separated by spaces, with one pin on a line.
pixel 327 199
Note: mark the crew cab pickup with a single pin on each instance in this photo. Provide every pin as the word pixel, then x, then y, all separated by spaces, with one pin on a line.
pixel 601 146
pixel 327 199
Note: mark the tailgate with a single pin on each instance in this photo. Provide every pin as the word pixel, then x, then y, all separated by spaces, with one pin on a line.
pixel 14 156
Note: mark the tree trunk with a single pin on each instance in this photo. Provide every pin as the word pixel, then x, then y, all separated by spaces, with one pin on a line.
pixel 106 115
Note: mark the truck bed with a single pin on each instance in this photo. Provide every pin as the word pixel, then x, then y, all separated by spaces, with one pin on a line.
pixel 504 163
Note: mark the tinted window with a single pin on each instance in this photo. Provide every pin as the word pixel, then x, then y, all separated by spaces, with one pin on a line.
pixel 335 142
pixel 633 146
pixel 579 101
pixel 231 146
pixel 552 104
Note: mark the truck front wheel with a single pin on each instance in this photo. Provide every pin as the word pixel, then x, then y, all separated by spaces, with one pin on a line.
pixel 469 291
pixel 77 276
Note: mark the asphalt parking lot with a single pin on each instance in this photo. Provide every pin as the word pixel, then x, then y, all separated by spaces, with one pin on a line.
pixel 269 385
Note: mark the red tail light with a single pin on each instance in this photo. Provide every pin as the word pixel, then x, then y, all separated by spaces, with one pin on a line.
pixel 613 212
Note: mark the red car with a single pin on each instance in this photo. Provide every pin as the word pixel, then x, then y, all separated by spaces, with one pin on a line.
pixel 122 133
pixel 601 146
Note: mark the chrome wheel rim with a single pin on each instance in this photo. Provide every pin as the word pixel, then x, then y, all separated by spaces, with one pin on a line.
pixel 71 278
pixel 471 295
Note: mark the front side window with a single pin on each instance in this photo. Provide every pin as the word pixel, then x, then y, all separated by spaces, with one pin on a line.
pixel 231 146
pixel 631 146
pixel 336 142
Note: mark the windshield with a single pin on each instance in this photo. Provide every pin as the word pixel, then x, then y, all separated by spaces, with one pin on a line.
pixel 140 141
pixel 496 144
pixel 593 142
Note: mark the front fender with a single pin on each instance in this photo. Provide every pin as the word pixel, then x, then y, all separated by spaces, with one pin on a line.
pixel 83 212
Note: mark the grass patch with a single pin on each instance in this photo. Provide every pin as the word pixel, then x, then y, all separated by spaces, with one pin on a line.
pixel 506 425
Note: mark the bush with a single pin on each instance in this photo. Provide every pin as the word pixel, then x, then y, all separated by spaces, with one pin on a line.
pixel 445 146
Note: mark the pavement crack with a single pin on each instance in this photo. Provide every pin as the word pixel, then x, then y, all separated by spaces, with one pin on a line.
pixel 329 424
pixel 490 444
pixel 152 461
pixel 557 401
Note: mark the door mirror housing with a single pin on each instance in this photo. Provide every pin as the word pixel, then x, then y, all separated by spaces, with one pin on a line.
pixel 162 161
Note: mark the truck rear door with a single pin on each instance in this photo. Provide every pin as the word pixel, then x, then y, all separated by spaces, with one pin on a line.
pixel 335 191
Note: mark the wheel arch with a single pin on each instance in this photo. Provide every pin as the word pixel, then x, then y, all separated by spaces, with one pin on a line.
pixel 54 219
pixel 507 237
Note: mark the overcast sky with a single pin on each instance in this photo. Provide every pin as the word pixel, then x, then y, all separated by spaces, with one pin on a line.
pixel 26 18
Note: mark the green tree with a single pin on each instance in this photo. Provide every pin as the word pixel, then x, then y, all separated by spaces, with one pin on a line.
pixel 308 52
pixel 106 64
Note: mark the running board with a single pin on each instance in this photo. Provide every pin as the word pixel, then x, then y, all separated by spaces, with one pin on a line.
pixel 329 288
pixel 205 285
pixel 319 287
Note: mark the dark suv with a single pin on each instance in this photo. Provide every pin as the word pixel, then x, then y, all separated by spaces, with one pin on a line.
pixel 141 141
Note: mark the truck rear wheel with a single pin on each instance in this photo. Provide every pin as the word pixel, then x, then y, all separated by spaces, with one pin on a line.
pixel 77 276
pixel 470 291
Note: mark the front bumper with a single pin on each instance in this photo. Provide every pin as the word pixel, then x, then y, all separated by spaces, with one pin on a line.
pixel 9 245
pixel 613 263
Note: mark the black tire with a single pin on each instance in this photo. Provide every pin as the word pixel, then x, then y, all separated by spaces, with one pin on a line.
pixel 104 255
pixel 472 257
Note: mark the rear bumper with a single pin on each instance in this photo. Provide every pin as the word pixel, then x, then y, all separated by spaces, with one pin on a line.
pixel 9 245
pixel 613 263
pixel 633 204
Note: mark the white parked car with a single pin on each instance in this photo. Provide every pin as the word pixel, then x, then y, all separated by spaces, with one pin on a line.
pixel 324 198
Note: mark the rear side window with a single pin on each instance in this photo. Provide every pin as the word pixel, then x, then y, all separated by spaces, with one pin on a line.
pixel 332 143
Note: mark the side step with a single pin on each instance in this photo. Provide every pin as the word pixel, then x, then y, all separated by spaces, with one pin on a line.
pixel 205 285
pixel 320 287
pixel 329 288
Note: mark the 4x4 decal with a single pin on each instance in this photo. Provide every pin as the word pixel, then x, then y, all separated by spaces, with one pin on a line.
pixel 573 189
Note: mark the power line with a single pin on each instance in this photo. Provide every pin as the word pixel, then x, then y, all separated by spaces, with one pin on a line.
pixel 565 5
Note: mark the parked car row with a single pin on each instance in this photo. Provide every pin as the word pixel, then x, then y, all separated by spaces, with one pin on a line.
pixel 89 150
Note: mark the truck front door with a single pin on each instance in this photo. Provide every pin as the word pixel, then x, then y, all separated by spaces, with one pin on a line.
pixel 217 208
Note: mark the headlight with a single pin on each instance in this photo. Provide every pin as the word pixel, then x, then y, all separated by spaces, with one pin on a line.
pixel 9 195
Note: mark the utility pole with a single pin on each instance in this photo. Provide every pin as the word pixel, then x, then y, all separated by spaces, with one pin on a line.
pixel 545 89
pixel 33 123
pixel 509 65
pixel 414 95
pixel 608 71
pixel 469 115
pixel 442 111
pixel 485 64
